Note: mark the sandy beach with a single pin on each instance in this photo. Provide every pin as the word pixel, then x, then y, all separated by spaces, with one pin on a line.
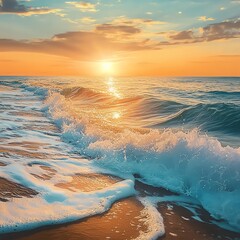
pixel 124 220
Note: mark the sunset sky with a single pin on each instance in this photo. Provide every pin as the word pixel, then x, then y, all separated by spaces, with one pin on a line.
pixel 135 37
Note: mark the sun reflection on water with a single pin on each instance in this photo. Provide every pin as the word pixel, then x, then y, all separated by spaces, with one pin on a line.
pixel 116 115
pixel 111 88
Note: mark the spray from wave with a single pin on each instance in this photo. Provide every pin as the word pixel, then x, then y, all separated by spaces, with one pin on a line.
pixel 185 162
pixel 157 135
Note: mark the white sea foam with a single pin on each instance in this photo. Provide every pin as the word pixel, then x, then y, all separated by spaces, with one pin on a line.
pixel 153 219
pixel 25 166
pixel 55 206
pixel 187 163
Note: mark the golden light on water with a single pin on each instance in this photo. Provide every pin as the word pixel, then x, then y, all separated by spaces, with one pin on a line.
pixel 112 90
pixel 116 115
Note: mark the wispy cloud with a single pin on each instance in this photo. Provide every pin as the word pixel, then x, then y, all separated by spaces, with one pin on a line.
pixel 217 31
pixel 205 18
pixel 117 29
pixel 14 7
pixel 76 45
pixel 136 21
pixel 87 20
pixel 120 35
pixel 127 30
pixel 123 29
pixel 84 6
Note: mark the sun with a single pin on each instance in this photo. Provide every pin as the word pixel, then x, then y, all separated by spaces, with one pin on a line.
pixel 107 67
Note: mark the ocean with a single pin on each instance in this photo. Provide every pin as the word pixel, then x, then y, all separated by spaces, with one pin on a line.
pixel 178 133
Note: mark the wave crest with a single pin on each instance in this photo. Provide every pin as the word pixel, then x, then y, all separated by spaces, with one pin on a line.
pixel 187 163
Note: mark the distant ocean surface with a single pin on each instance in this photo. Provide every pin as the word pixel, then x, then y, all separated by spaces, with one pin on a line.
pixel 180 133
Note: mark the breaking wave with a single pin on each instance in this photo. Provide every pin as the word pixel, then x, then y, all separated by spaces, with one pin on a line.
pixel 185 162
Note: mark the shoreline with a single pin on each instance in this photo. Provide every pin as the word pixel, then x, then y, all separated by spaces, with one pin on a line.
pixel 124 220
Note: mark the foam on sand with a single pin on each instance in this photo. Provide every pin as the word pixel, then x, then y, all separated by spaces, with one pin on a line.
pixel 57 206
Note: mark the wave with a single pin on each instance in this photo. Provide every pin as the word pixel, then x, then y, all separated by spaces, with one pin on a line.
pixel 34 164
pixel 91 96
pixel 155 113
pixel 220 120
pixel 140 105
pixel 185 162
pixel 219 117
pixel 81 93
pixel 232 93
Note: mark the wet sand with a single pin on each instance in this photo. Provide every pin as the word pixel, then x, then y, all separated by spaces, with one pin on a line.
pixel 9 190
pixel 23 153
pixel 179 224
pixel 123 220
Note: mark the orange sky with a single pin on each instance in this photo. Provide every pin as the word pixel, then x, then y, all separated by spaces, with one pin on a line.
pixel 74 38
pixel 188 60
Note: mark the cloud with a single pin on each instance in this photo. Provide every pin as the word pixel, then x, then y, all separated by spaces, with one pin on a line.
pixel 136 21
pixel 117 29
pixel 14 7
pixel 183 35
pixel 84 20
pixel 205 18
pixel 84 6
pixel 124 29
pixel 109 40
pixel 227 56
pixel 85 46
pixel 87 20
pixel 223 30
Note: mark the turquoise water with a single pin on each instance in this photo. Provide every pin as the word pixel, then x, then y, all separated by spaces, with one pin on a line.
pixel 211 105
pixel 178 133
